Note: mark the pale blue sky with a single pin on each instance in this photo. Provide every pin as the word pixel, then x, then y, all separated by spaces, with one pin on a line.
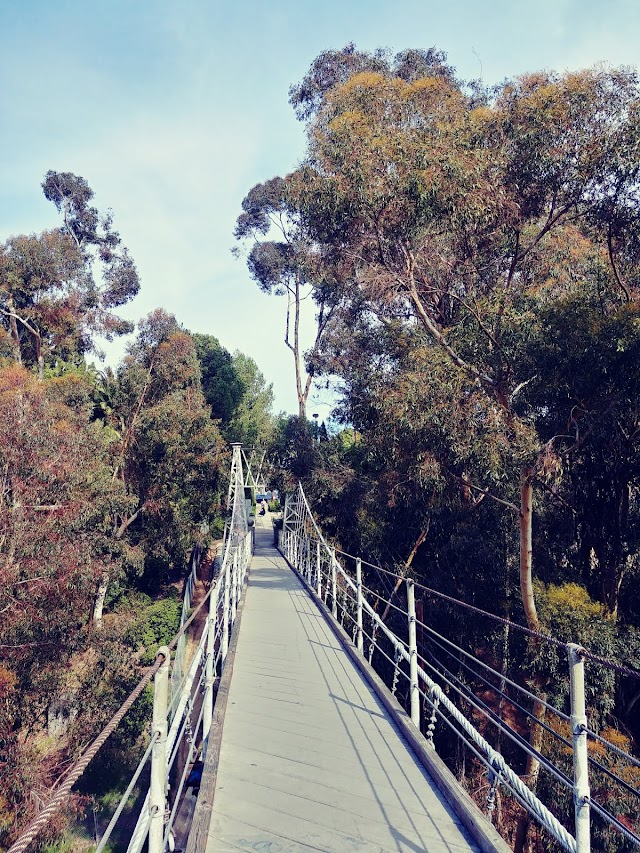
pixel 172 111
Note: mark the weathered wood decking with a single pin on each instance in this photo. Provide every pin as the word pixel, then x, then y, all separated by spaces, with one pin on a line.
pixel 310 760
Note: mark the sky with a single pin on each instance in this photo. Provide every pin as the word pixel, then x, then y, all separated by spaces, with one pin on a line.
pixel 172 111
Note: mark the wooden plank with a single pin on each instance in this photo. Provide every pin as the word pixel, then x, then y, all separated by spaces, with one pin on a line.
pixel 310 758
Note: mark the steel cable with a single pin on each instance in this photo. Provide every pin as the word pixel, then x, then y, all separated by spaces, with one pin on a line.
pixel 63 790
pixel 592 761
pixel 616 666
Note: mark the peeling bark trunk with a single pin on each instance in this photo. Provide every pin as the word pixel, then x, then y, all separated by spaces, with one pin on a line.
pixel 526 551
pixel 532 769
pixel 101 594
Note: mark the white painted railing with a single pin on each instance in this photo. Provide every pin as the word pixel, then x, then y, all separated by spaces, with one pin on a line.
pixel 356 608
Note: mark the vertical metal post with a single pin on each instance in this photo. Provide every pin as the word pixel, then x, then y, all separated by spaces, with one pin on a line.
pixel 246 560
pixel 359 638
pixel 414 693
pixel 318 570
pixel 308 559
pixel 581 793
pixel 234 585
pixel 158 786
pixel 209 673
pixel 334 583
pixel 225 612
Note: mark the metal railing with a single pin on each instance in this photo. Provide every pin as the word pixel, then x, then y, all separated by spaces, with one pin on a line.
pixel 183 698
pixel 191 707
pixel 434 693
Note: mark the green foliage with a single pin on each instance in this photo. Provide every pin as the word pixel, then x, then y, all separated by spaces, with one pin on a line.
pixel 568 613
pixel 222 387
pixel 156 626
pixel 252 421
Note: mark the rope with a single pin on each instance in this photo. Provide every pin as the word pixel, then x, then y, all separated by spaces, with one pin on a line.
pixel 567 841
pixel 592 761
pixel 466 694
pixel 78 769
pixel 75 772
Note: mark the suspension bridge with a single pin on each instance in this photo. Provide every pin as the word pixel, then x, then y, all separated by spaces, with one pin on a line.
pixel 300 718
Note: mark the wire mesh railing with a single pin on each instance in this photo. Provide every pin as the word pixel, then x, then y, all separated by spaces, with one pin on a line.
pixel 439 682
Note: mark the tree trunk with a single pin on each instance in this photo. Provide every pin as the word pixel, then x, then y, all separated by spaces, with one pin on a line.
pixel 302 396
pixel 526 550
pixel 532 769
pixel 101 594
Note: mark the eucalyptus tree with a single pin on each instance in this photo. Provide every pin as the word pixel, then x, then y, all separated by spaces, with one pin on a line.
pixel 470 219
pixel 459 216
pixel 289 266
pixel 167 451
pixel 60 288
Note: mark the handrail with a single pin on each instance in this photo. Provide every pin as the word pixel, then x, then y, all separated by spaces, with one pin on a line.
pixel 223 600
pixel 309 552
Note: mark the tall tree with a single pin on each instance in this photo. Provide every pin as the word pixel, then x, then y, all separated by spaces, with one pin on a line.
pixel 221 385
pixel 288 266
pixel 450 214
pixel 168 450
pixel 59 288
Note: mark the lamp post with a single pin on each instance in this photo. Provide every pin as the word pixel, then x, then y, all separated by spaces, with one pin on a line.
pixel 315 419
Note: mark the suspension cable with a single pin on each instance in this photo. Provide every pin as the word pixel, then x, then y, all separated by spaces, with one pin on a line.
pixel 616 666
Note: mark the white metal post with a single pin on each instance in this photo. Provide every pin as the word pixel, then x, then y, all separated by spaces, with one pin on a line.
pixel 209 673
pixel 318 570
pixel 308 559
pixel 158 786
pixel 359 637
pixel 334 583
pixel 581 793
pixel 225 612
pixel 234 586
pixel 246 559
pixel 414 692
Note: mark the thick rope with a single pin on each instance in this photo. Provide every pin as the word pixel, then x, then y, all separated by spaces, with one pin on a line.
pixel 80 766
pixel 75 772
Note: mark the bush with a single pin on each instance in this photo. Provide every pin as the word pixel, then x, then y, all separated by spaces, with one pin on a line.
pixel 157 625
pixel 274 506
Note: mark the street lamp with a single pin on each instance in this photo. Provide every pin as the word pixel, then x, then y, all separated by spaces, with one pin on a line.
pixel 315 418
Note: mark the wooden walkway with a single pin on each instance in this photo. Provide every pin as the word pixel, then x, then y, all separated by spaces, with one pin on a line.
pixel 310 760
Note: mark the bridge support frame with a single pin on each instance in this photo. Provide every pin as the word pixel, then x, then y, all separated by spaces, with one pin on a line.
pixel 581 792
